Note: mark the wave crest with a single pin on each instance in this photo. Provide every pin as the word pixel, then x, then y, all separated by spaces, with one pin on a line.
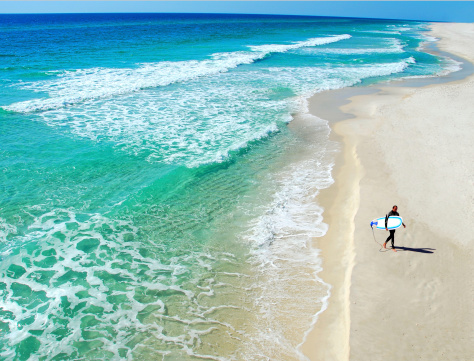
pixel 77 86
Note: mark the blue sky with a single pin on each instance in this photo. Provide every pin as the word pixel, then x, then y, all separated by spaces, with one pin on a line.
pixel 456 11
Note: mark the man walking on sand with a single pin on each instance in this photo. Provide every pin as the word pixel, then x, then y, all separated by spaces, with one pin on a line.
pixel 393 212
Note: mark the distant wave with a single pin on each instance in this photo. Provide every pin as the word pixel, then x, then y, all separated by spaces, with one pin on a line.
pixel 73 87
pixel 394 46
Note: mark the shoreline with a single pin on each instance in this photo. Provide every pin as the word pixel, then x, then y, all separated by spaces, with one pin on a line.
pixel 356 323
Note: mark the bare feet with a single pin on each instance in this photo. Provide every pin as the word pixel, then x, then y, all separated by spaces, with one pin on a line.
pixel 394 250
pixel 385 245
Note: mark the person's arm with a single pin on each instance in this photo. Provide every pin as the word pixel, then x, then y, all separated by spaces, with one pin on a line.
pixel 386 220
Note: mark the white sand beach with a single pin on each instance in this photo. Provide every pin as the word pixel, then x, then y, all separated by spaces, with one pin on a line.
pixel 413 147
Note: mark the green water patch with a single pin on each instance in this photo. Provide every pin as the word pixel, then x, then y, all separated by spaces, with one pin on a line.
pixel 40 165
pixel 27 348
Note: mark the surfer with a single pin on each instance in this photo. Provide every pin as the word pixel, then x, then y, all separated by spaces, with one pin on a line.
pixel 393 212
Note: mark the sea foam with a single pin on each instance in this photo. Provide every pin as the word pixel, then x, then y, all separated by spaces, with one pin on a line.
pixel 76 278
pixel 284 254
pixel 206 120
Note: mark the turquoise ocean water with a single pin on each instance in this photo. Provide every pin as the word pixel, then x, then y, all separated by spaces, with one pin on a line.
pixel 154 202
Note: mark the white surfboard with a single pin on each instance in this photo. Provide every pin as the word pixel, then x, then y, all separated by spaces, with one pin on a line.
pixel 392 223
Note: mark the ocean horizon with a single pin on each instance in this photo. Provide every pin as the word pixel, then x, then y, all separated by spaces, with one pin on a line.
pixel 155 201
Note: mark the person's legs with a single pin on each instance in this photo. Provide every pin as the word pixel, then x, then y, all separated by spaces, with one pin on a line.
pixel 392 238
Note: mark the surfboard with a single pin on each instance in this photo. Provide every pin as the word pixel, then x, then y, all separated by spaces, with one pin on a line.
pixel 392 223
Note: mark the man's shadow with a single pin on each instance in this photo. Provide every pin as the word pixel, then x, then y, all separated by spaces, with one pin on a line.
pixel 419 250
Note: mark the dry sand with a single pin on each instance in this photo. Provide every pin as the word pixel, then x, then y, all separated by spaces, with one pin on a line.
pixel 414 147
